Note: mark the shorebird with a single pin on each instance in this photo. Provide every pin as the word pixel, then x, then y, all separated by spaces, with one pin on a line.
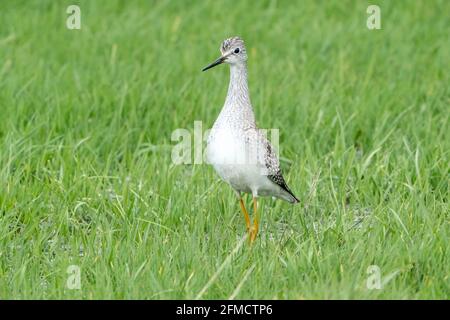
pixel 239 151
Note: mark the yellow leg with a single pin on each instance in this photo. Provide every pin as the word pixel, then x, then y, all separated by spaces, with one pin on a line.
pixel 255 227
pixel 246 216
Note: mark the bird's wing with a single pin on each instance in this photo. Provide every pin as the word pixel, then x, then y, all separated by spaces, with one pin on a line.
pixel 271 162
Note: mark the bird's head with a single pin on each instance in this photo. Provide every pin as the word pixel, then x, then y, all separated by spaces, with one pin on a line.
pixel 232 52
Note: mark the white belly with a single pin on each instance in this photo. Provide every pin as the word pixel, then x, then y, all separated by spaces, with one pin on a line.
pixel 235 163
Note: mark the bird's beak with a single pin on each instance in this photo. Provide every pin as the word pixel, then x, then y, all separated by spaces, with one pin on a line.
pixel 215 63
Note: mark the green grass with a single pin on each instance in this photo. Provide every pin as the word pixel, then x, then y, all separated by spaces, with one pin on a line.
pixel 86 176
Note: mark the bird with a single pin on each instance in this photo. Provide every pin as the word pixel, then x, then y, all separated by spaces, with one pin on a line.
pixel 237 149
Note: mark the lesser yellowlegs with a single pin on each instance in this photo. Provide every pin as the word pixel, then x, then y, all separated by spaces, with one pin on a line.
pixel 237 149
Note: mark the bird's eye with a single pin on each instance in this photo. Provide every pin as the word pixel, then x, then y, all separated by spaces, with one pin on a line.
pixel 236 50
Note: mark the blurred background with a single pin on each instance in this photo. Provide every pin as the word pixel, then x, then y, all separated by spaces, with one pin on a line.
pixel 86 176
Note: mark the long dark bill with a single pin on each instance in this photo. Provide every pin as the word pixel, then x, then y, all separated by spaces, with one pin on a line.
pixel 215 63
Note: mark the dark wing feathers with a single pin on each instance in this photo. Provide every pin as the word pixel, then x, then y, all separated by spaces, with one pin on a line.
pixel 269 158
pixel 274 170
pixel 279 180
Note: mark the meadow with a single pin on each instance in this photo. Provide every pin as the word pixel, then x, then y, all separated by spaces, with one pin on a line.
pixel 87 181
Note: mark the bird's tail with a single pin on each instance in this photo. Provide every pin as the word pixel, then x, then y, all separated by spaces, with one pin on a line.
pixel 288 196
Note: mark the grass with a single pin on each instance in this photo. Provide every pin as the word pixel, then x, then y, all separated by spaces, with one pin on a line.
pixel 86 176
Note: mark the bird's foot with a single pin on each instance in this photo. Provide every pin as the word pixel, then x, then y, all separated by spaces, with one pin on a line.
pixel 253 232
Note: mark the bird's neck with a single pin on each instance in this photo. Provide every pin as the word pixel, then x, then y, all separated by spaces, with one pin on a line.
pixel 237 109
pixel 238 94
